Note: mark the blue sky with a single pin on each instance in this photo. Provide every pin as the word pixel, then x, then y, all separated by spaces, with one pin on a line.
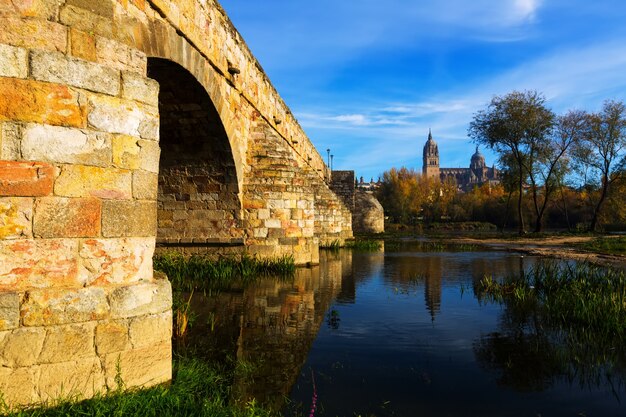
pixel 367 78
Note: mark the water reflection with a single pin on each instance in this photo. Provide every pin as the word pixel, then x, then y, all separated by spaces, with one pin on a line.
pixel 402 333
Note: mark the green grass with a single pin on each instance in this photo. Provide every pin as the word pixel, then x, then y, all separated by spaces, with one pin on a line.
pixel 606 245
pixel 364 245
pixel 580 297
pixel 197 389
pixel 335 245
pixel 202 273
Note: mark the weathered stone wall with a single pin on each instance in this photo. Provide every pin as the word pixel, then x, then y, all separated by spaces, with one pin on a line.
pixel 342 184
pixel 79 168
pixel 278 200
pixel 78 163
pixel 368 215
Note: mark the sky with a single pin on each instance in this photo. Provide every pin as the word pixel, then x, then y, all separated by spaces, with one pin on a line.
pixel 369 78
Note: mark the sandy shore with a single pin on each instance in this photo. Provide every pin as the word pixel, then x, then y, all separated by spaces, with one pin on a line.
pixel 556 247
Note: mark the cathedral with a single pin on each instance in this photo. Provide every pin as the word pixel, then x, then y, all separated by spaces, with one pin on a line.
pixel 477 174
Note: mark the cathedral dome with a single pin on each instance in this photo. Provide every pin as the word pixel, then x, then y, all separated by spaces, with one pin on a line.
pixel 430 148
pixel 478 160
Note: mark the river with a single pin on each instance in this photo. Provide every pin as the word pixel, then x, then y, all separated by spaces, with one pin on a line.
pixel 402 332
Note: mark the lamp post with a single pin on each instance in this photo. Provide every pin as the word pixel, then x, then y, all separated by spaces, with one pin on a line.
pixel 331 162
pixel 328 162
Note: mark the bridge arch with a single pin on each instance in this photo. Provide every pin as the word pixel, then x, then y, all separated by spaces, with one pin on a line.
pixel 199 199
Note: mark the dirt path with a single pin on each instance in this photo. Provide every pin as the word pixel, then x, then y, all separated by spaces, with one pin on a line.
pixel 556 247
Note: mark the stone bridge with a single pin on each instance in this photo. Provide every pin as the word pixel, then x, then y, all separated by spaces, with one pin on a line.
pixel 125 125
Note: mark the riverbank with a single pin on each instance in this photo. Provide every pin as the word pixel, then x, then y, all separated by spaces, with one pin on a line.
pixel 579 248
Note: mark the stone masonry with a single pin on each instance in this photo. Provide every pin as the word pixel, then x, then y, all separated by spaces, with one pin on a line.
pixel 367 212
pixel 124 123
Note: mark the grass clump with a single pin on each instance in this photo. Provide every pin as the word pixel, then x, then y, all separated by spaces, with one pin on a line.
pixel 364 245
pixel 334 245
pixel 606 245
pixel 202 272
pixel 581 297
pixel 197 389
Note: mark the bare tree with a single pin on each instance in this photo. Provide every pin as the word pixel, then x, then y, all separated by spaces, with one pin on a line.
pixel 601 152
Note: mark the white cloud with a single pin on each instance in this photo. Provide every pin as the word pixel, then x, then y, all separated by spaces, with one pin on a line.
pixel 355 119
pixel 526 9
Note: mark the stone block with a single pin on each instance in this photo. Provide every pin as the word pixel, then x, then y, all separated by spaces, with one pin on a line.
pixel 82 45
pixel 27 179
pixel 16 217
pixel 102 8
pixel 149 128
pixel 115 261
pixel 65 145
pixel 13 62
pixel 139 88
pixel 112 336
pixel 35 101
pixel 56 67
pixel 38 263
pixel 75 379
pixel 141 299
pixel 145 185
pixel 154 329
pixel 120 56
pixel 86 21
pixel 9 310
pixel 64 306
pixel 260 232
pixel 140 367
pixel 87 181
pixel 132 153
pixel 33 34
pixel 128 218
pixel 21 347
pixel 263 214
pixel 67 217
pixel 10 139
pixel 114 115
pixel 273 223
pixel 74 341
pixel 18 386
pixel 44 9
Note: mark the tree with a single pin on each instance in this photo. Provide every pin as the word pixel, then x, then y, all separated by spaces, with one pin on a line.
pixel 552 164
pixel 400 194
pixel 517 123
pixel 601 152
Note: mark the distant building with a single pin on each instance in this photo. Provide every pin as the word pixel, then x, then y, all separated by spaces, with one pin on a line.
pixel 367 186
pixel 477 174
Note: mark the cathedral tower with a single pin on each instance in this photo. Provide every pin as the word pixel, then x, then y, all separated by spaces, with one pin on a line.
pixel 430 167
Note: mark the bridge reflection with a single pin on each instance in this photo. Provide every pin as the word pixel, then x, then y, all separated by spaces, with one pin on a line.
pixel 265 330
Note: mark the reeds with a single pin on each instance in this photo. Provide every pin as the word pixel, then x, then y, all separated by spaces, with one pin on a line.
pixel 571 296
pixel 203 273
pixel 364 245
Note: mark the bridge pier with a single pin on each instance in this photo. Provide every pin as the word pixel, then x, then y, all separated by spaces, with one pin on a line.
pixel 96 165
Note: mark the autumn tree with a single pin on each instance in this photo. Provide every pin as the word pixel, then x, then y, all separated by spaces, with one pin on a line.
pixel 601 153
pixel 516 124
pixel 546 175
pixel 400 195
